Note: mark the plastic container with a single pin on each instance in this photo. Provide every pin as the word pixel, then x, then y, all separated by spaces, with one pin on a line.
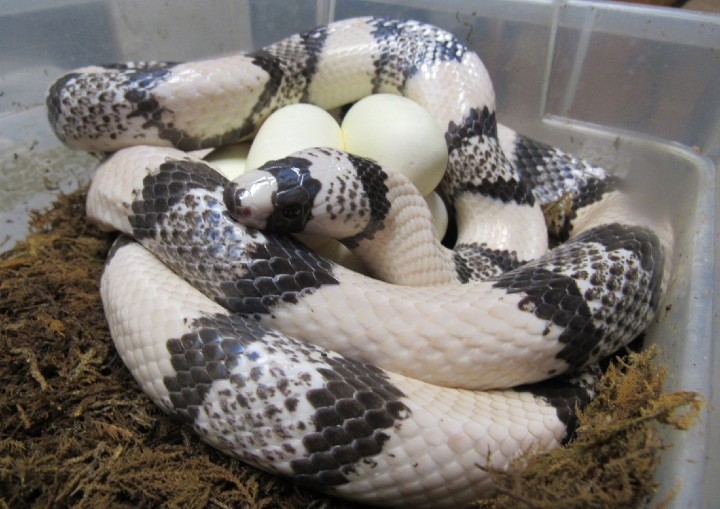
pixel 632 88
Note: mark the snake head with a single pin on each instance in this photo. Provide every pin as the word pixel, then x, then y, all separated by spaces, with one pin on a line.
pixel 277 197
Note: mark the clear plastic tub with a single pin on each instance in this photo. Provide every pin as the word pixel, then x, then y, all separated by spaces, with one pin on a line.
pixel 632 88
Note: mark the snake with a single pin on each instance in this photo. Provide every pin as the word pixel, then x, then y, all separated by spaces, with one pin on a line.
pixel 407 392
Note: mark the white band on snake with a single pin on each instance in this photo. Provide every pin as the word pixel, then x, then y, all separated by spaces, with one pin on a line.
pixel 358 387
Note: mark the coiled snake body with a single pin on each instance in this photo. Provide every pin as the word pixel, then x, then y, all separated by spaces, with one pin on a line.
pixel 301 367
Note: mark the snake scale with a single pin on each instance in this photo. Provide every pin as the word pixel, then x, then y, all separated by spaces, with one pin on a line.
pixel 385 393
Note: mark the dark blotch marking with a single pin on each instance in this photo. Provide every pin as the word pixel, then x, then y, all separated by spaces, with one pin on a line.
pixel 372 177
pixel 356 404
pixel 295 195
pixel 353 411
pixel 642 242
pixel 226 336
pixel 482 124
pixel 295 272
pixel 276 74
pixel 195 243
pixel 165 189
pixel 291 404
pixel 313 42
pixel 138 85
pixel 556 297
pixel 405 47
pixel 547 170
pixel 53 101
pixel 475 262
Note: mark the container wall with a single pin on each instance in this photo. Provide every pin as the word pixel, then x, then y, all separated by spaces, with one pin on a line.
pixel 629 87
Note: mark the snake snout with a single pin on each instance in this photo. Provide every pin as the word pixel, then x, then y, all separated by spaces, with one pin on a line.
pixel 239 203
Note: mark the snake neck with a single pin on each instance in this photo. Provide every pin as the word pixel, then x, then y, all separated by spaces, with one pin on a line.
pixel 405 248
pixel 493 238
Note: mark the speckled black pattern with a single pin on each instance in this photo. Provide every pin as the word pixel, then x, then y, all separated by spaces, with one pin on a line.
pixel 555 175
pixel 164 190
pixel 211 351
pixel 110 100
pixel 645 245
pixel 556 298
pixel 280 271
pixel 53 102
pixel 623 277
pixel 372 178
pixel 478 165
pixel 588 192
pixel 355 406
pixel 180 216
pixel 290 65
pixel 549 170
pixel 314 42
pixel 405 46
pixel 353 409
pixel 138 92
pixel 477 262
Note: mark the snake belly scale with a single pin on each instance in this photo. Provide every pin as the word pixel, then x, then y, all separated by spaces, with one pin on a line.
pixel 303 368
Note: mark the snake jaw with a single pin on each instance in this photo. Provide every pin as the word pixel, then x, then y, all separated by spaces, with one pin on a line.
pixel 280 196
pixel 277 201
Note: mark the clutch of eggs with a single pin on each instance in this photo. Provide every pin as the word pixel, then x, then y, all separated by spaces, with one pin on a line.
pixel 393 130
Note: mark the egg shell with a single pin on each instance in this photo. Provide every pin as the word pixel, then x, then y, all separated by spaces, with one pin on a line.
pixel 231 160
pixel 439 213
pixel 293 128
pixel 399 134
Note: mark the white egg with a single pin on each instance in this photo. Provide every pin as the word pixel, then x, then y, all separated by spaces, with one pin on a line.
pixel 293 128
pixel 231 160
pixel 393 130
pixel 399 134
pixel 333 250
pixel 439 213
